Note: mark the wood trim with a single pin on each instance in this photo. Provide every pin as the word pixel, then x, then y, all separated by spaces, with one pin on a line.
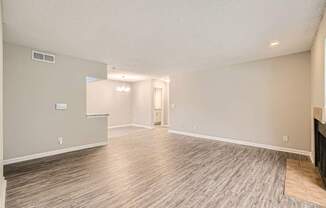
pixel 51 153
pixel 252 144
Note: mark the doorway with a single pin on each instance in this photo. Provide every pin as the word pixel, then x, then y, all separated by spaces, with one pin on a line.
pixel 158 106
pixel 160 102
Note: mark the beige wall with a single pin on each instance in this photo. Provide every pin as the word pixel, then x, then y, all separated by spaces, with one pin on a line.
pixel 102 97
pixel 142 102
pixel 318 77
pixel 1 103
pixel 318 67
pixel 31 89
pixel 256 102
pixel 125 107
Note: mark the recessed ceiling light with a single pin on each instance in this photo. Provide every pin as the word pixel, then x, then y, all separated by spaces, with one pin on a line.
pixel 274 43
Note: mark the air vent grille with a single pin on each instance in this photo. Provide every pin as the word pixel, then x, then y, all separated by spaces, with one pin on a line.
pixel 43 57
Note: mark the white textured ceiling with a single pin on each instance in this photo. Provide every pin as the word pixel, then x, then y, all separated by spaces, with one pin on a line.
pixel 160 36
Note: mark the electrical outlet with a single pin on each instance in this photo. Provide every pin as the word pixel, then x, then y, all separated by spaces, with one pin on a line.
pixel 60 140
pixel 194 127
pixel 285 139
pixel 61 106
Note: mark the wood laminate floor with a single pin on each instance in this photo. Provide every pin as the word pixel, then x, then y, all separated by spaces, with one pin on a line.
pixel 124 131
pixel 154 169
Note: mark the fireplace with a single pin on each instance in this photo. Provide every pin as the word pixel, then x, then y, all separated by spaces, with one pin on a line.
pixel 320 148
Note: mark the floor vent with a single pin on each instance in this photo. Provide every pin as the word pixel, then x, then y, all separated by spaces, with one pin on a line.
pixel 43 57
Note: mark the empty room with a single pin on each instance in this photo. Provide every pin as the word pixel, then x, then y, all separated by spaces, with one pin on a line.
pixel 163 104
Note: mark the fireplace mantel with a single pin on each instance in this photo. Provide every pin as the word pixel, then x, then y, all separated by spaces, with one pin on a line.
pixel 320 114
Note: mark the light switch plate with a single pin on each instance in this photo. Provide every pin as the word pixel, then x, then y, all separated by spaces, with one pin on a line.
pixel 61 106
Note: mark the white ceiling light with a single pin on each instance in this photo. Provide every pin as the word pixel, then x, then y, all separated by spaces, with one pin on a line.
pixel 165 79
pixel 126 76
pixel 123 88
pixel 274 44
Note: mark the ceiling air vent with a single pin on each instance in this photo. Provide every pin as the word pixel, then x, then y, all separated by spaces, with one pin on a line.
pixel 43 57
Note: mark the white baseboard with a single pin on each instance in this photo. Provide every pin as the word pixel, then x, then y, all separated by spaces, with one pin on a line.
pixel 127 125
pixel 235 141
pixel 51 153
pixel 143 126
pixel 3 188
pixel 120 126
